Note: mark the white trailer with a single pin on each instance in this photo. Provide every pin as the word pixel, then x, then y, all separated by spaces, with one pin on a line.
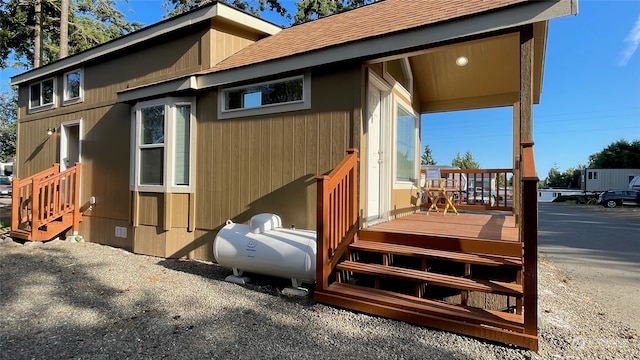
pixel 606 179
pixel 6 168
pixel 548 195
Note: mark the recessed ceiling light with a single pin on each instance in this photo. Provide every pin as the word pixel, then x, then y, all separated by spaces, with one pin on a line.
pixel 462 61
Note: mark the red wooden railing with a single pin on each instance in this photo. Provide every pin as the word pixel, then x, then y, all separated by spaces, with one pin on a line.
pixel 337 216
pixel 45 197
pixel 481 188
pixel 529 238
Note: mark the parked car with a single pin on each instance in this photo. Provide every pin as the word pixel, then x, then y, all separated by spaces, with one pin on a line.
pixel 613 198
pixel 634 184
pixel 5 186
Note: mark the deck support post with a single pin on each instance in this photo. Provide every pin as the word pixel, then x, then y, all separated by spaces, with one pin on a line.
pixel 528 207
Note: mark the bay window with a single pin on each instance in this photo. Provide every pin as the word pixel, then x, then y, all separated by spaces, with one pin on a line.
pixel 163 145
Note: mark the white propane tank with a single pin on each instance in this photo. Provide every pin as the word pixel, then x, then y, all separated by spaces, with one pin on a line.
pixel 264 247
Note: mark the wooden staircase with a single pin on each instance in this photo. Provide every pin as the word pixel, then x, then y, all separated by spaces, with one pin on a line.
pixel 46 204
pixel 432 287
pixel 484 288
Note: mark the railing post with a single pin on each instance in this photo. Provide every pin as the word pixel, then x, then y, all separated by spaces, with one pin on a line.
pixel 76 199
pixel 15 203
pixel 35 206
pixel 322 231
pixel 529 236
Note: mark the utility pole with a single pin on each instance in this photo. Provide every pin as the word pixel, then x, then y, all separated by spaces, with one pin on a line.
pixel 64 28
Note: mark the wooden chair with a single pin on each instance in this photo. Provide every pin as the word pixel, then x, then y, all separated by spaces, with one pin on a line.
pixel 437 188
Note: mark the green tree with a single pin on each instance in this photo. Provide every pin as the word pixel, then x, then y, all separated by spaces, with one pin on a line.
pixel 176 7
pixel 555 178
pixel 465 162
pixel 570 178
pixel 8 116
pixel 620 154
pixel 315 9
pixel 305 9
pixel 91 22
pixel 427 157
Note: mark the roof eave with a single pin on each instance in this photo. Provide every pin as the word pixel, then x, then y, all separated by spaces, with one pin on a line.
pixel 511 17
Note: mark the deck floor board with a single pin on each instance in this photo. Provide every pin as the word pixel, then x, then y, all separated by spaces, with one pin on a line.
pixel 489 226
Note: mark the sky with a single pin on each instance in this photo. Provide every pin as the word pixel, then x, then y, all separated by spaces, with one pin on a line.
pixel 590 93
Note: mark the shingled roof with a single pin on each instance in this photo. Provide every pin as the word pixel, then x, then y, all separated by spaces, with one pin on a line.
pixel 380 18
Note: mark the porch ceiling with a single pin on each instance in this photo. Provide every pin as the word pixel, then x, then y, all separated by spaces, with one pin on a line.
pixel 490 79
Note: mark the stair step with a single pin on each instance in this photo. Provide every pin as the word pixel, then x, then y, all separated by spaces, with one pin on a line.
pixel 487 286
pixel 506 248
pixel 385 298
pixel 20 234
pixel 406 250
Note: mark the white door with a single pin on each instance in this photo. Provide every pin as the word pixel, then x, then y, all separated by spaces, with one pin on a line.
pixel 377 154
pixel 69 144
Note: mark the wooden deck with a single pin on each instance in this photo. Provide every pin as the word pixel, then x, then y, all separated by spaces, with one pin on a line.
pixel 468 225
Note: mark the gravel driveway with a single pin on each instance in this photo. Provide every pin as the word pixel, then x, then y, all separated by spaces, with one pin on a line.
pixel 65 300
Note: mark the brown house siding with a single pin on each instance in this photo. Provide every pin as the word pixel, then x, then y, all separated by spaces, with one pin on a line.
pixel 106 131
pixel 228 40
pixel 247 166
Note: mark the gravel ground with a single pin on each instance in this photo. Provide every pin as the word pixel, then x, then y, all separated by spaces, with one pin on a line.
pixel 63 300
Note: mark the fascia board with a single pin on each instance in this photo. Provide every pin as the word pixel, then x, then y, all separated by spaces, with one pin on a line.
pixel 168 87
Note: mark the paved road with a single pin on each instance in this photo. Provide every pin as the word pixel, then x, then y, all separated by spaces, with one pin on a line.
pixel 597 251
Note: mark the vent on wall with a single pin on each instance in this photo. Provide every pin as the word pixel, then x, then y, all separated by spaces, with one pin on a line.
pixel 121 232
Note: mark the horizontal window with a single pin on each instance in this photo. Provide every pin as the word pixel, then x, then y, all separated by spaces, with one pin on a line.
pixel 42 95
pixel 281 95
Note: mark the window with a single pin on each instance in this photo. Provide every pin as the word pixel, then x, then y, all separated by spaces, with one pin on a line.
pixel 152 145
pixel 406 144
pixel 182 145
pixel 42 95
pixel 73 87
pixel 282 95
pixel 163 143
pixel 399 72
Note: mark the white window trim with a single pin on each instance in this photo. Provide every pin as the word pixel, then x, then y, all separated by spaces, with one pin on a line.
pixel 303 104
pixel 80 97
pixel 407 93
pixel 168 145
pixel 405 184
pixel 44 107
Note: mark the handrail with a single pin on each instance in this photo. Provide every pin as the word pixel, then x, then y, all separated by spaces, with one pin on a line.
pixel 21 194
pixel 337 216
pixel 45 197
pixel 529 238
pixel 480 188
